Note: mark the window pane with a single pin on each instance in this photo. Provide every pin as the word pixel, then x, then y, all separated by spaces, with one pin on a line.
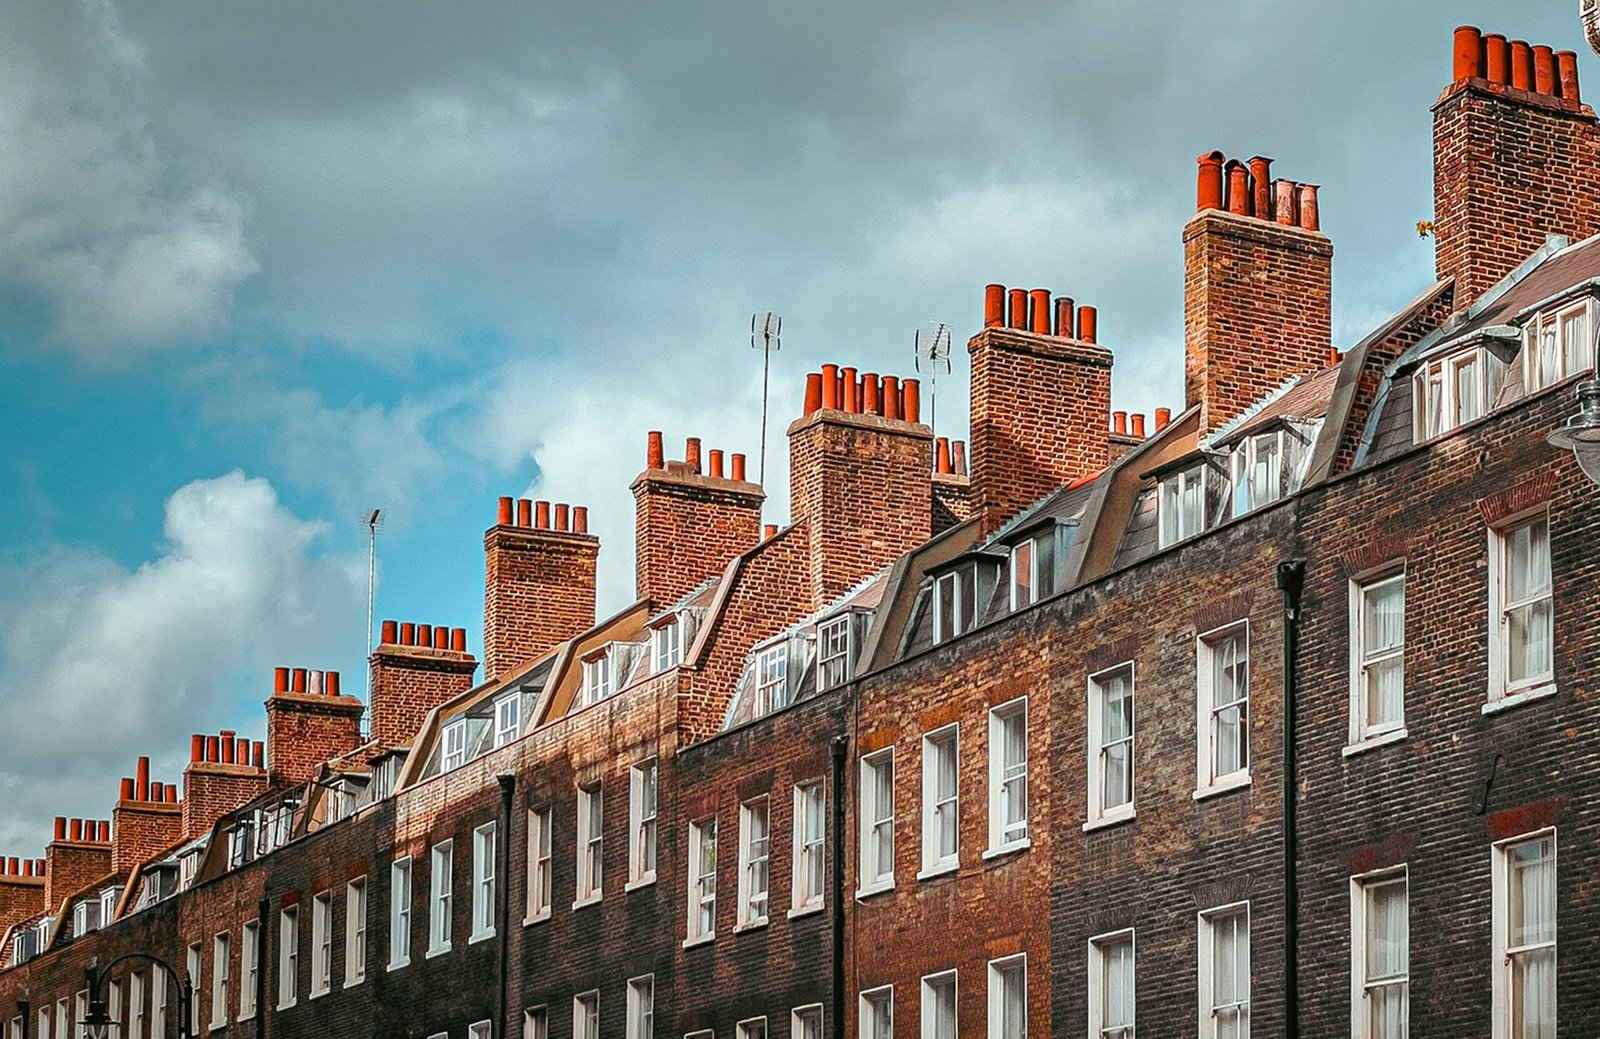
pixel 1022 576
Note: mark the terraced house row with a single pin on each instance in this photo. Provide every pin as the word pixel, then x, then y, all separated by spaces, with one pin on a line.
pixel 1274 715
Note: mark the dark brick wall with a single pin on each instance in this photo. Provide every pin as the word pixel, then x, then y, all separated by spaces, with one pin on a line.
pixel 410 681
pixel 538 591
pixel 305 730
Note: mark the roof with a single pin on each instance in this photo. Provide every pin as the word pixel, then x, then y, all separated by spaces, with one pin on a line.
pixel 1306 399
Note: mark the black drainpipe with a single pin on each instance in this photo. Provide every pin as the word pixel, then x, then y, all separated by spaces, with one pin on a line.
pixel 263 907
pixel 508 786
pixel 1291 579
pixel 840 750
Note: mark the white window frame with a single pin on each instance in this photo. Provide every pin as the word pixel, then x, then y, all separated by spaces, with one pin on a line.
pixel 480 1030
pixel 641 1007
pixel 136 1001
pixel 772 679
pixel 1025 558
pixel 453 745
pixel 835 652
pixel 194 959
pixel 541 886
pixel 1504 953
pixel 485 881
pixel 941 809
pixel 1100 756
pixel 755 862
pixel 931 984
pixel 803 1018
pixel 400 873
pixel 1206 921
pixel 158 1003
pixel 441 897
pixel 536 1023
pixel 1551 328
pixel 288 956
pixel 507 719
pixel 1251 488
pixel 702 891
pixel 1455 411
pixel 1175 492
pixel 597 678
pixel 1006 779
pixel 1207 779
pixel 1361 887
pixel 869 1001
pixel 999 971
pixel 321 944
pixel 877 822
pixel 751 1028
pixel 590 845
pixel 809 847
pixel 962 615
pixel 1503 690
pixel 355 931
pixel 644 803
pixel 666 645
pixel 221 961
pixel 1099 963
pixel 1364 659
pixel 249 969
pixel 586 1012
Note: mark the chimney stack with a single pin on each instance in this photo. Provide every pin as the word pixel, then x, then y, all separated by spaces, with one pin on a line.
pixel 1258 285
pixel 304 729
pixel 1041 399
pixel 689 524
pixel 79 856
pixel 21 891
pixel 213 787
pixel 1516 157
pixel 861 478
pixel 538 586
pixel 144 822
pixel 411 678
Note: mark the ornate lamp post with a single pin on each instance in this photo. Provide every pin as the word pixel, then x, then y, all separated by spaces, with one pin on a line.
pixel 98 1024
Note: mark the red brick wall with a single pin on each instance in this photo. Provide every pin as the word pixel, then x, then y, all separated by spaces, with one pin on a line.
pixel 304 730
pixel 863 486
pixel 1041 417
pixel 20 898
pixel 1256 309
pixel 1509 167
pixel 410 681
pixel 688 526
pixel 140 829
pixel 70 866
pixel 212 789
pixel 538 591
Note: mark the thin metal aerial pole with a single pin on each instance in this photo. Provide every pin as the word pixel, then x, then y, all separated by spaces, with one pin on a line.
pixel 374 521
pixel 933 352
pixel 764 336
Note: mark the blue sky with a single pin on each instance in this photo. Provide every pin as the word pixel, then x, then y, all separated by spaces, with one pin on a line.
pixel 266 267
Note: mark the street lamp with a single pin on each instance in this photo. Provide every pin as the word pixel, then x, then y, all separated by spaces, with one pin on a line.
pixel 98 1024
pixel 1581 433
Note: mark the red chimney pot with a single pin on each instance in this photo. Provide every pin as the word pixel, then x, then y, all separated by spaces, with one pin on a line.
pixel 1567 74
pixel 391 632
pixel 994 305
pixel 738 467
pixel 298 680
pixel 1544 70
pixel 1163 417
pixel 458 640
pixel 1039 311
pixel 1208 191
pixel 813 392
pixel 870 402
pixel 280 680
pixel 1496 59
pixel 580 519
pixel 1019 308
pixel 891 397
pixel 691 454
pixel 1521 65
pixel 1087 324
pixel 563 516
pixel 911 396
pixel 541 515
pixel 716 462
pixel 524 512
pixel 655 454
pixel 1064 306
pixel 1469 51
pixel 1119 423
pixel 1136 424
pixel 331 683
pixel 850 400
pixel 1261 202
pixel 503 516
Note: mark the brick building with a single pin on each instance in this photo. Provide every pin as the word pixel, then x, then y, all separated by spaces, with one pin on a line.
pixel 1275 714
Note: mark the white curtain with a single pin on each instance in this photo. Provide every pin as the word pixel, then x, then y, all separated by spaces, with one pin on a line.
pixel 1528 617
pixel 1383 637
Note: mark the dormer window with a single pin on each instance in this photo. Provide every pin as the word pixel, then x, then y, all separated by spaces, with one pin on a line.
pixel 597 679
pixel 667 646
pixel 507 719
pixel 1453 390
pixel 1556 345
pixel 1257 469
pixel 188 866
pixel 772 669
pixel 1181 504
pixel 1033 568
pixel 959 599
pixel 455 745
pixel 108 905
pixel 835 651
pixel 86 917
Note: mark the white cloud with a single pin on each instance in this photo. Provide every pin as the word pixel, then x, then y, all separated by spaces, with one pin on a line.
pixel 102 663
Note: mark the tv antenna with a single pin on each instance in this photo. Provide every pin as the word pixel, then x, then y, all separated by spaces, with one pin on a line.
pixel 374 524
pixel 764 330
pixel 933 353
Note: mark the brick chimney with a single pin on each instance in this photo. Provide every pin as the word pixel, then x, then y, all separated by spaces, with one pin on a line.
pixel 21 890
pixel 1041 400
pixel 147 819
pixel 224 773
pixel 308 722
pixel 79 856
pixel 690 519
pixel 415 668
pixel 860 477
pixel 1257 287
pixel 1516 157
pixel 538 588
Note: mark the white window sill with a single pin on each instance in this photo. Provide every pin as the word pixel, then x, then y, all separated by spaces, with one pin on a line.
pixel 349 983
pixel 753 925
pixel 475 939
pixel 217 1026
pixel 440 951
pixel 400 963
pixel 876 888
pixel 644 881
pixel 591 900
pixel 1232 781
pixel 1119 814
pixel 939 869
pixel 315 994
pixel 1008 849
pixel 805 910
pixel 286 1006
pixel 1374 742
pixel 702 939
pixel 1517 699
pixel 241 1019
pixel 538 918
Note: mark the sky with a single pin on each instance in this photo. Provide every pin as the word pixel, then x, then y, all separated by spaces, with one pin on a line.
pixel 267 267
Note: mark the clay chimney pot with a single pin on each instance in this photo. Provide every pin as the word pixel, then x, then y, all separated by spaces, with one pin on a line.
pixel 994 305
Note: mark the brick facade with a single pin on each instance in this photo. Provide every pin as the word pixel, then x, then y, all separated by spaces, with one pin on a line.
pixel 410 681
pixel 538 586
pixel 688 526
pixel 305 729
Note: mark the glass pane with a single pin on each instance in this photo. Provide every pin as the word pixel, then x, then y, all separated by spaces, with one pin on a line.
pixel 1533 994
pixel 1386 931
pixel 1383 617
pixel 1387 1013
pixel 1022 582
pixel 1385 680
pixel 1528 561
pixel 1533 894
pixel 1529 636
pixel 1044 567
pixel 1575 341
